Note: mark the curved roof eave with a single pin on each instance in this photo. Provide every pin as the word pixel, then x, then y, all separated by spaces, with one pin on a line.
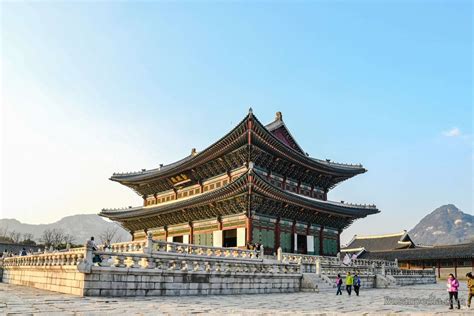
pixel 239 186
pixel 176 167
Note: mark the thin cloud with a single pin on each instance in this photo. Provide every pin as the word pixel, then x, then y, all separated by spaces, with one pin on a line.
pixel 453 132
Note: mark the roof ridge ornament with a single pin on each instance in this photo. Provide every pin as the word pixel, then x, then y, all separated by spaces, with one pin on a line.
pixel 251 165
pixel 193 152
pixel 278 116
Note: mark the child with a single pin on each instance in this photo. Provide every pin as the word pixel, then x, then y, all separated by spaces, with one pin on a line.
pixel 339 284
pixel 453 286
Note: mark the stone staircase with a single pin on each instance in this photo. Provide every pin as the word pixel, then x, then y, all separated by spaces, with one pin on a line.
pixel 385 281
pixel 312 282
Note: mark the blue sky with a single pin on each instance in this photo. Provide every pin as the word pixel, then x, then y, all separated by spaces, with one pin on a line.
pixel 90 88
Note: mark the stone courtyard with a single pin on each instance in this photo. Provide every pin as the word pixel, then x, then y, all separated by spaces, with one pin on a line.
pixel 21 300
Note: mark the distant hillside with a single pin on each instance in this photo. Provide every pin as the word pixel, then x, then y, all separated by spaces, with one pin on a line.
pixel 81 226
pixel 445 225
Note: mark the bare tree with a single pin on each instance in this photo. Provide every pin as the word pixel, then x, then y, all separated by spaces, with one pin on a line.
pixel 58 236
pixel 47 237
pixel 4 231
pixel 15 236
pixel 109 234
pixel 28 237
pixel 69 239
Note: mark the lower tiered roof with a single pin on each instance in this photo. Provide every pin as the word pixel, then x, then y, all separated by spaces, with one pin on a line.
pixel 250 193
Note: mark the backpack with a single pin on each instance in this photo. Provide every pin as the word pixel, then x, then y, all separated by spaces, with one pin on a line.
pixel 357 281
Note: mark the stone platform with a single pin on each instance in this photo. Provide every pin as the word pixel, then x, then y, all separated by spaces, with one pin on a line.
pixel 23 300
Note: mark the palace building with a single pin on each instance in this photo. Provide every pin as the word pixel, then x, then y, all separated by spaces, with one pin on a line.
pixel 457 259
pixel 255 184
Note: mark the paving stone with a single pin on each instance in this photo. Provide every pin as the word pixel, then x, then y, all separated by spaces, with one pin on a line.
pixel 24 300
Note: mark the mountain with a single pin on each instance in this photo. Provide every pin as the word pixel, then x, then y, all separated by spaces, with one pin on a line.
pixel 445 225
pixel 81 226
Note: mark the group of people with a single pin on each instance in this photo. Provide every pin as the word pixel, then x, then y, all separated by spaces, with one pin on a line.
pixel 23 252
pixel 351 281
pixel 453 288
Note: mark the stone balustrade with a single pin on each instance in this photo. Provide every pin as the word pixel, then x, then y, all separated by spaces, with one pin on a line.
pixel 163 262
pixel 395 271
pixel 48 259
pixel 334 261
pixel 308 259
pixel 332 266
pixel 205 251
pixel 376 263
pixel 129 246
pixel 360 270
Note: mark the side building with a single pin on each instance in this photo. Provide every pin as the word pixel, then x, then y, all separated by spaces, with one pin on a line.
pixel 255 184
pixel 457 259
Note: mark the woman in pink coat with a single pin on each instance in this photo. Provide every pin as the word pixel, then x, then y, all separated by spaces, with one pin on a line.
pixel 453 286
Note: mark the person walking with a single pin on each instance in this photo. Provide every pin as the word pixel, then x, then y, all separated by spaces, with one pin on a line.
pixel 453 285
pixel 470 288
pixel 349 282
pixel 339 284
pixel 356 284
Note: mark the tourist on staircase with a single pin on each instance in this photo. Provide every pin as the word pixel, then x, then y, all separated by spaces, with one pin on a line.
pixel 349 282
pixel 453 286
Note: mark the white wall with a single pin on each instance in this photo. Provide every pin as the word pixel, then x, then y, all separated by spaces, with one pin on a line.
pixel 217 238
pixel 241 237
pixel 310 243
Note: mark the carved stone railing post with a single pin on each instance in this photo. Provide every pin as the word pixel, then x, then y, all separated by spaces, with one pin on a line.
pixel 149 243
pixel 86 264
pixel 383 269
pixel 279 254
pixel 262 251
pixel 318 266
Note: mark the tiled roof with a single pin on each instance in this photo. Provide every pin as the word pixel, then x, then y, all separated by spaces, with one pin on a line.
pixel 465 251
pixel 381 242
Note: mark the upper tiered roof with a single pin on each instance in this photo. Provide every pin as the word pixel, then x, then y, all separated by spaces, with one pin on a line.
pixel 270 146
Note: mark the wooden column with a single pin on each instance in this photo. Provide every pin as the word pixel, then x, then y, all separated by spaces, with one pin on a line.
pixel 321 248
pixel 166 233
pixel 191 233
pixel 339 240
pixel 293 241
pixel 248 229
pixel 298 188
pixel 439 269
pixel 277 234
pixel 283 184
pixel 455 268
